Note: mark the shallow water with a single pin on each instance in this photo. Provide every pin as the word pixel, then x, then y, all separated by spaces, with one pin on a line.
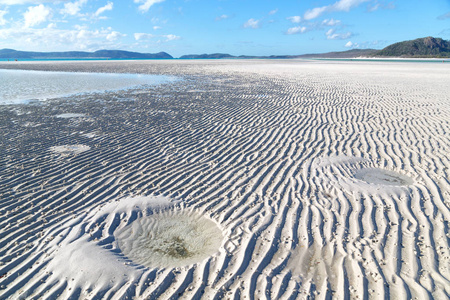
pixel 19 86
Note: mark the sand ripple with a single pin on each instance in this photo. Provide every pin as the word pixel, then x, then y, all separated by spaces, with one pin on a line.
pixel 320 180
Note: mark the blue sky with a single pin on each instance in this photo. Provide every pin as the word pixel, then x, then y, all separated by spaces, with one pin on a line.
pixel 249 27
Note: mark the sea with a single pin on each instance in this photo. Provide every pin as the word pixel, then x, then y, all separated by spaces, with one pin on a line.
pixel 20 86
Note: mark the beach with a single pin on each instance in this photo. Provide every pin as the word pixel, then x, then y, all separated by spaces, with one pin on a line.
pixel 256 179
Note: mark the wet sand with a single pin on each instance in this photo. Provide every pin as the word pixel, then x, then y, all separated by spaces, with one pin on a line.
pixel 316 178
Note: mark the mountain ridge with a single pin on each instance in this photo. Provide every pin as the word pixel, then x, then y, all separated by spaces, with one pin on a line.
pixel 428 47
pixel 421 47
pixel 104 54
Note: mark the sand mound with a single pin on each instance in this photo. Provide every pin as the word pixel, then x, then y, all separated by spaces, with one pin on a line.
pixel 69 149
pixel 358 174
pixel 91 134
pixel 169 240
pixel 106 248
pixel 70 115
pixel 382 177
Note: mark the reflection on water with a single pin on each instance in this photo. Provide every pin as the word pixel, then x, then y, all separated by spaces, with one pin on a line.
pixel 18 86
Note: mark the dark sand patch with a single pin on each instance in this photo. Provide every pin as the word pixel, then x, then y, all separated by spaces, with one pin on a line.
pixel 169 240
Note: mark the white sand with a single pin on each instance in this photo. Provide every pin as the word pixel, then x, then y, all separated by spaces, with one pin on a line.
pixel 319 179
pixel 382 177
pixel 65 150
pixel 70 115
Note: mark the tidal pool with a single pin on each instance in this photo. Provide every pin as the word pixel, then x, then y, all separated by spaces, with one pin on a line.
pixel 169 239
pixel 20 86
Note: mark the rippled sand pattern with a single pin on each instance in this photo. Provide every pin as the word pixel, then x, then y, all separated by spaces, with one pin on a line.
pixel 268 150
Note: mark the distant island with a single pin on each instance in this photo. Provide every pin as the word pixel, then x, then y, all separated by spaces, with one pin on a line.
pixel 101 54
pixel 343 54
pixel 207 56
pixel 428 47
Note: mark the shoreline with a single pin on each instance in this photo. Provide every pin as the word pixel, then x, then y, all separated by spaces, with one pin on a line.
pixel 359 58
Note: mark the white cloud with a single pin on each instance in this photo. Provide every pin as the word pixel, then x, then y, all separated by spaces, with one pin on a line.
pixel 172 37
pixel 147 4
pixel 377 5
pixel 315 12
pixel 295 19
pixel 2 17
pixel 295 30
pixel 346 5
pixel 341 5
pixel 139 36
pixel 374 7
pixel 53 39
pixel 72 8
pixel 444 16
pixel 114 36
pixel 274 11
pixel 36 15
pixel 349 44
pixel 143 36
pixel 222 17
pixel 331 35
pixel 342 36
pixel 252 23
pixel 156 27
pixel 331 22
pixel 19 2
pixel 101 10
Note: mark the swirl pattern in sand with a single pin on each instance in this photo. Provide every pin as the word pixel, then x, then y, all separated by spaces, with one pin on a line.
pixel 169 239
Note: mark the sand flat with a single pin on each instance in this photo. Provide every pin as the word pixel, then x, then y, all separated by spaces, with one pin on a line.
pixel 324 179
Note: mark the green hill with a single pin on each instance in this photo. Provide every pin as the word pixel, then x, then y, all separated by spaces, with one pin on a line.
pixel 104 54
pixel 423 47
pixel 207 56
pixel 428 47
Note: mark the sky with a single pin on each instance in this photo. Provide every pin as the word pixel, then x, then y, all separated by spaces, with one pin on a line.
pixel 244 27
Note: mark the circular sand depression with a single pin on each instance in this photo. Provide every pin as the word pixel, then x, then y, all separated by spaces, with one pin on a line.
pixel 382 177
pixel 169 240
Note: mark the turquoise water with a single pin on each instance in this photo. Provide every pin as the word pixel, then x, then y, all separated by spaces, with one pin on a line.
pixel 435 60
pixel 423 60
pixel 77 59
pixel 19 86
pixel 47 59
